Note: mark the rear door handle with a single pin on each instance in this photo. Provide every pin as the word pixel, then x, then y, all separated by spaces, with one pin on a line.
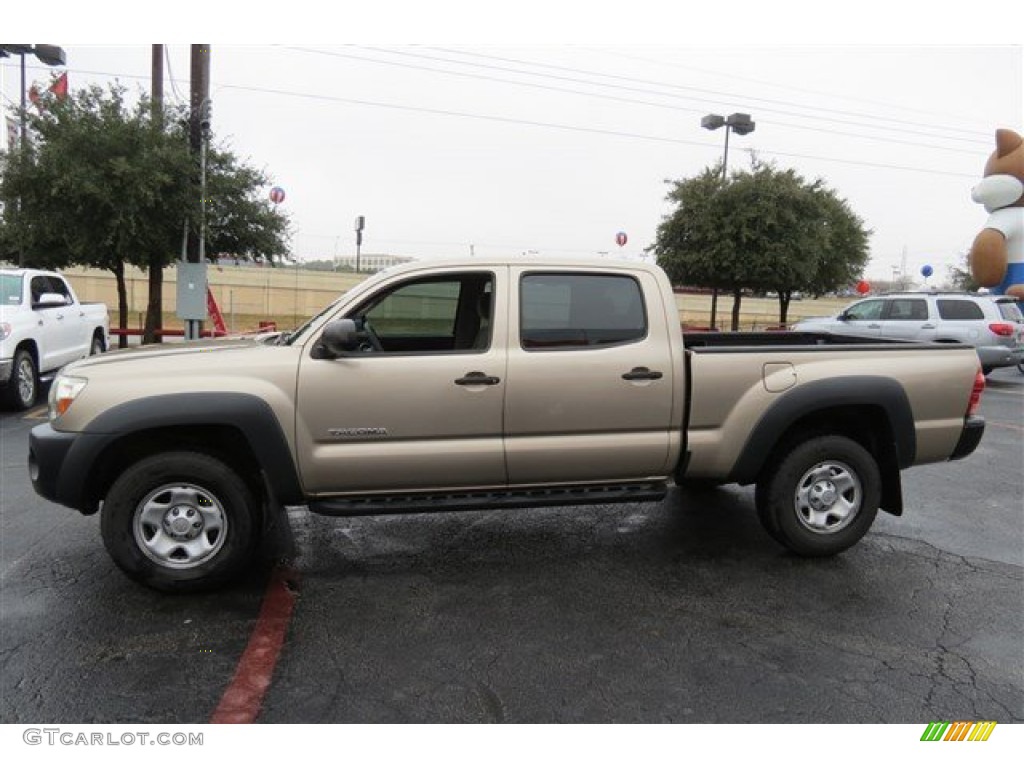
pixel 641 373
pixel 475 378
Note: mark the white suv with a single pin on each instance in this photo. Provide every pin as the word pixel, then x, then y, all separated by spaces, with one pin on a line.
pixel 992 324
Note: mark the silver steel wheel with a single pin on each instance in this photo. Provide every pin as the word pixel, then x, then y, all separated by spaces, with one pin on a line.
pixel 180 525
pixel 26 377
pixel 828 497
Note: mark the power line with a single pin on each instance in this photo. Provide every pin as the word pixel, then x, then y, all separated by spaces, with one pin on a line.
pixel 170 77
pixel 621 99
pixel 560 126
pixel 540 124
pixel 715 93
pixel 811 91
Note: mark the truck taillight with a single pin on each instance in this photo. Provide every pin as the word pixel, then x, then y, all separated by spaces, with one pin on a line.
pixel 979 387
pixel 1002 329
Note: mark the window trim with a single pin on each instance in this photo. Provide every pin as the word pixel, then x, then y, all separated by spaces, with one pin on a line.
pixel 582 347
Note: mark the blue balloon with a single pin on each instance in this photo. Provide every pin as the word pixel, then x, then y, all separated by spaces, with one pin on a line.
pixel 927 270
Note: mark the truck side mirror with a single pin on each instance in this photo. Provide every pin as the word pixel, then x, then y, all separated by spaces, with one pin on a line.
pixel 48 300
pixel 339 337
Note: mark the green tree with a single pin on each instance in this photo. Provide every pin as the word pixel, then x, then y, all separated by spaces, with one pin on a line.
pixel 94 185
pixel 106 183
pixel 241 222
pixel 960 278
pixel 764 229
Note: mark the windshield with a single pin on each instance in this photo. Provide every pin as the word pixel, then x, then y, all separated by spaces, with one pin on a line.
pixel 10 290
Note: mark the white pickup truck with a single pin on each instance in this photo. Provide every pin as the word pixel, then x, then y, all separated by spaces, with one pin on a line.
pixel 43 326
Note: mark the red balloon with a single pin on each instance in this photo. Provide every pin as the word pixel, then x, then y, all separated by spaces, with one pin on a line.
pixel 277 195
pixel 620 238
pixel 863 287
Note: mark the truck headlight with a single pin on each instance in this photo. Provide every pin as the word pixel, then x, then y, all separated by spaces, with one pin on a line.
pixel 63 393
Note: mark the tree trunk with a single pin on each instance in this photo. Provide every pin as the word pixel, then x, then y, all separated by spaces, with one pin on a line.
pixel 784 298
pixel 122 303
pixel 737 297
pixel 155 304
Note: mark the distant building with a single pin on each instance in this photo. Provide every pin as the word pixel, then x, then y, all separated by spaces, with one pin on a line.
pixel 371 262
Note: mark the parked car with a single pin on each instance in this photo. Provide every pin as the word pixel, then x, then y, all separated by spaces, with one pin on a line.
pixel 465 385
pixel 43 326
pixel 993 325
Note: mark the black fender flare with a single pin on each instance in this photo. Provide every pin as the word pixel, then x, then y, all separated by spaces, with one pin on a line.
pixel 807 399
pixel 247 413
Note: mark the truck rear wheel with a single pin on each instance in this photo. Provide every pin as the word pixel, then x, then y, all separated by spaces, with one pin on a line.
pixel 180 521
pixel 821 497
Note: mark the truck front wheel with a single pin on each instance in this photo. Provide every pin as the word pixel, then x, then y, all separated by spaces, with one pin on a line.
pixel 180 521
pixel 821 496
pixel 23 386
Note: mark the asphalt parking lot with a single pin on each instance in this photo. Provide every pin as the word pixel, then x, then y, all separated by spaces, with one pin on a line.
pixel 681 611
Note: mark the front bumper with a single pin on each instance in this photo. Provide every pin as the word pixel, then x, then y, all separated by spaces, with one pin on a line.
pixel 974 428
pixel 6 366
pixel 59 463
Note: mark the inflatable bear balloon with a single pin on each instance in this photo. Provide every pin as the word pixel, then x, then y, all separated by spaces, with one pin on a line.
pixel 997 255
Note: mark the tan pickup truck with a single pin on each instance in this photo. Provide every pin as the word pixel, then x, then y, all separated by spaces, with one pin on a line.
pixel 478 384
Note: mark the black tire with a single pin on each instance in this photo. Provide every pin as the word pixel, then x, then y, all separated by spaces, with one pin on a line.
pixel 180 522
pixel 22 388
pixel 821 497
pixel 97 347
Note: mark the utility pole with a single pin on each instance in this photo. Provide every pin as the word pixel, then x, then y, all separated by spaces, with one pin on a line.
pixel 155 304
pixel 199 95
pixel 158 83
pixel 192 271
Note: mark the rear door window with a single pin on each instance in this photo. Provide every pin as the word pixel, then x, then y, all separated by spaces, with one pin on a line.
pixel 908 309
pixel 573 310
pixel 960 309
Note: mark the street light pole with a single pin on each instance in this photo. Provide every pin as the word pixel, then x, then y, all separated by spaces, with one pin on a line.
pixel 742 124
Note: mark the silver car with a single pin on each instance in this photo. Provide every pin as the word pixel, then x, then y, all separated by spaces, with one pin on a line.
pixel 993 325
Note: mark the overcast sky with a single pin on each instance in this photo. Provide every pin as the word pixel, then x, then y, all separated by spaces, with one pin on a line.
pixel 555 147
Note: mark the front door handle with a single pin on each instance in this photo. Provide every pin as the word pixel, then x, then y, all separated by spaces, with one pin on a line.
pixel 475 378
pixel 641 373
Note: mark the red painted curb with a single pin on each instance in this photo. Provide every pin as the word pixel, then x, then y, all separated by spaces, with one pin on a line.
pixel 243 699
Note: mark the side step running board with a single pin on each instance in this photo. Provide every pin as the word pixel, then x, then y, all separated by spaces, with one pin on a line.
pixel 397 504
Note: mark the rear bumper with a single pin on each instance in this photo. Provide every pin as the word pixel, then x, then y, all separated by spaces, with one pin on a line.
pixel 999 356
pixel 974 428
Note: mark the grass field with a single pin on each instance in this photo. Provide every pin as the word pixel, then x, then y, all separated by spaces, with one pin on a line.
pixel 248 296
